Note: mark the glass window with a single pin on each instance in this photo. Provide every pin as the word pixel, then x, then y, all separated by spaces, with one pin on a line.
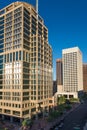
pixel 7 57
pixel 10 57
pixel 20 55
pixel 13 56
pixel 16 55
pixel 23 55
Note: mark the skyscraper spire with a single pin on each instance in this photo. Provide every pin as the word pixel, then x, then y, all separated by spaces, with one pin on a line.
pixel 37 6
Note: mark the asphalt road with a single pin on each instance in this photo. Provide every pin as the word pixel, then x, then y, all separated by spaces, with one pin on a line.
pixel 76 118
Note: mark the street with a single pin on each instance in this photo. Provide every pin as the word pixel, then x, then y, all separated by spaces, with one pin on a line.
pixel 76 118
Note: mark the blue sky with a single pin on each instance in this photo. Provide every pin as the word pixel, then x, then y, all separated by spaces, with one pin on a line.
pixel 66 21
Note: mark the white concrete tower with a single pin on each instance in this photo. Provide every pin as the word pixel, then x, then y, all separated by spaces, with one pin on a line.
pixel 72 70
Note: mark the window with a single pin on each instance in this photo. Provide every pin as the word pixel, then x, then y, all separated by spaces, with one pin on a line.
pixel 17 56
pixel 20 56
pixel 13 56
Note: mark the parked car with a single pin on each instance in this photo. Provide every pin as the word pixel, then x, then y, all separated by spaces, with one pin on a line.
pixel 56 128
pixel 82 101
pixel 61 125
pixel 76 128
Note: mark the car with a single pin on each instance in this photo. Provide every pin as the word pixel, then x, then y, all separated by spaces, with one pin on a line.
pixel 76 128
pixel 61 125
pixel 82 101
pixel 62 120
pixel 56 128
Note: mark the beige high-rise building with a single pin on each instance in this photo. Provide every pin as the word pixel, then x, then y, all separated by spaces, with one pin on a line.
pixel 72 70
pixel 25 62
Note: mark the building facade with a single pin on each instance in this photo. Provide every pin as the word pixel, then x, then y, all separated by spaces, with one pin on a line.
pixel 54 87
pixel 59 75
pixel 25 62
pixel 72 70
pixel 59 72
pixel 85 77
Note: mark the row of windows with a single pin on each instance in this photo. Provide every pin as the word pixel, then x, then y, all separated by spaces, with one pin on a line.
pixel 17 14
pixel 1 26
pixel 9 15
pixel 39 97
pixel 26 13
pixel 8 34
pixel 9 29
pixel 16 82
pixel 8 24
pixel 10 76
pixel 15 56
pixel 25 112
pixel 25 93
pixel 12 86
pixel 18 10
pixel 8 39
pixel 26 20
pixel 13 105
pixel 18 20
pixel 17 25
pixel 1 22
pixel 9 19
pixel 1 39
pixel 13 98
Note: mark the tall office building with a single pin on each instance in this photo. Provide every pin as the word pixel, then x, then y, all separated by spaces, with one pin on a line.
pixel 59 72
pixel 25 62
pixel 85 77
pixel 54 87
pixel 72 70
pixel 59 75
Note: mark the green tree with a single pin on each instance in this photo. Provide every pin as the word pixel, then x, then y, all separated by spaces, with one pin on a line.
pixel 24 123
pixel 61 100
pixel 6 129
pixel 74 100
pixel 27 123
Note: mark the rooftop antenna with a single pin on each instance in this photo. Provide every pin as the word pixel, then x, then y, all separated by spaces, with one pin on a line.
pixel 37 7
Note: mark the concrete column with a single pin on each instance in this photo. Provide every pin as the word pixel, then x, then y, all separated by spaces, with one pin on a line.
pixel 68 96
pixel 43 112
pixel 36 115
pixel 30 114
pixel 36 111
pixel 48 109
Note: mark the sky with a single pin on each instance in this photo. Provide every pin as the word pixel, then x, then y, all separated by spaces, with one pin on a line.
pixel 66 21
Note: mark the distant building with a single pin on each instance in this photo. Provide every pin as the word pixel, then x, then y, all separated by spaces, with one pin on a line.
pixel 72 71
pixel 54 87
pixel 85 77
pixel 59 74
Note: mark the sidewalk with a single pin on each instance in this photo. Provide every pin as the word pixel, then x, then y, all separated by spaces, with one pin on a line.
pixel 42 123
